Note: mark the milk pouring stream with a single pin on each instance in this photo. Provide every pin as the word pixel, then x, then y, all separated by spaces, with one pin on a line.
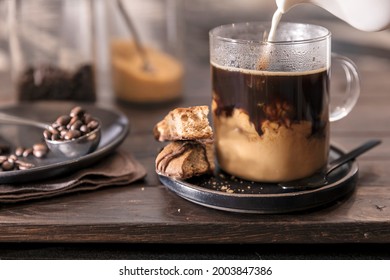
pixel 366 15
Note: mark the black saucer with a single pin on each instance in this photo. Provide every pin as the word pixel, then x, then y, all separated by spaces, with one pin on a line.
pixel 225 192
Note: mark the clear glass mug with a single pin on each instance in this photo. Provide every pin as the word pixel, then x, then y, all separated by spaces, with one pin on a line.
pixel 271 100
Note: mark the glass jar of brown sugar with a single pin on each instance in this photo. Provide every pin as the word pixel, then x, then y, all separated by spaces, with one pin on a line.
pixel 145 50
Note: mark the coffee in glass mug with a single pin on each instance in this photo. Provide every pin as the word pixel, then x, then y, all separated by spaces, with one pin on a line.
pixel 271 99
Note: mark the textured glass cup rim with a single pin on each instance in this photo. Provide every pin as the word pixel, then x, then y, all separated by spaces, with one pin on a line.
pixel 213 33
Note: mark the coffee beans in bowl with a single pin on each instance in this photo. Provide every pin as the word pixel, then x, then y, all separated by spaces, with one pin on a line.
pixel 72 135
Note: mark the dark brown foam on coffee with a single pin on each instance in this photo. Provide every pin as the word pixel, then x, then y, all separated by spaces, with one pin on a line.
pixel 281 97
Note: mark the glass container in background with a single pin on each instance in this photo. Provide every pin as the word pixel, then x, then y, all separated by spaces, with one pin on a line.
pixel 5 85
pixel 158 27
pixel 51 47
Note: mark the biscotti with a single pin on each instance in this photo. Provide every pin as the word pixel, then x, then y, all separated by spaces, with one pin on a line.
pixel 184 124
pixel 185 159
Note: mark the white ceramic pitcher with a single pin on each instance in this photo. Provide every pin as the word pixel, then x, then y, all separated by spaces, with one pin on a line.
pixel 366 15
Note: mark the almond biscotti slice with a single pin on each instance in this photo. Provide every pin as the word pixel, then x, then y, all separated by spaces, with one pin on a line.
pixel 185 159
pixel 184 124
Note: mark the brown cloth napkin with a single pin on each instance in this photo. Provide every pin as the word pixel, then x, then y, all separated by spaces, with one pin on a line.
pixel 120 168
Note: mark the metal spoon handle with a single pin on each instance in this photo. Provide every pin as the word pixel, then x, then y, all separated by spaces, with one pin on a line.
pixel 352 154
pixel 9 119
pixel 133 30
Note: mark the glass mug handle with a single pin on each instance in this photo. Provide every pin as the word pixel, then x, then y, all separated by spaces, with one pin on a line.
pixel 347 99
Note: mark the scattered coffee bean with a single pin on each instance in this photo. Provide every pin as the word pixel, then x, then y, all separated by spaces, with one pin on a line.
pixel 39 153
pixel 27 152
pixel 40 150
pixel 23 165
pixel 19 151
pixel 40 146
pixel 12 157
pixel 11 162
pixel 8 165
pixel 72 126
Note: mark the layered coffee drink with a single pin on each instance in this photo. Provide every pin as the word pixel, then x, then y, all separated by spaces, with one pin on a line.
pixel 270 126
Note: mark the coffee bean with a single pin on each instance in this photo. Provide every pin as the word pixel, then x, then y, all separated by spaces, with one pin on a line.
pixel 7 166
pixel 40 150
pixel 55 137
pixel 77 111
pixel 12 157
pixel 19 151
pixel 93 124
pixel 62 133
pixel 72 134
pixel 27 152
pixel 63 120
pixel 61 128
pixel 84 129
pixel 76 126
pixel 23 165
pixel 47 134
pixel 39 153
pixel 11 160
pixel 72 121
pixel 55 125
pixel 53 130
pixel 40 147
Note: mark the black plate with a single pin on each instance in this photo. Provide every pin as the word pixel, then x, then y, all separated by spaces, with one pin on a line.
pixel 224 192
pixel 114 130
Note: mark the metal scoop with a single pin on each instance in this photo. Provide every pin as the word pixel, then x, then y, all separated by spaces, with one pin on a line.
pixel 320 179
pixel 67 148
pixel 138 45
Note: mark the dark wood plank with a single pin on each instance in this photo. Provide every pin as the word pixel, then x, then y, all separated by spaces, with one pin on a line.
pixel 166 218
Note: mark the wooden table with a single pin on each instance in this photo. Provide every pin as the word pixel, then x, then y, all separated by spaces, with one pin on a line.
pixel 146 212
